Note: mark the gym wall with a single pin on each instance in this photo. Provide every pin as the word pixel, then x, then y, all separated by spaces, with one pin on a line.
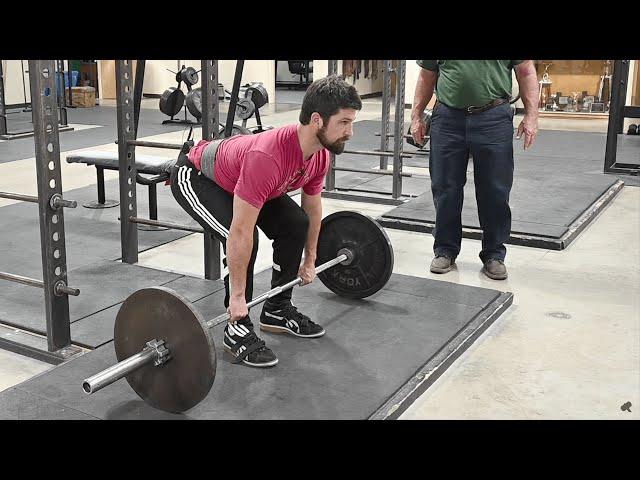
pixel 411 79
pixel 157 78
pixel 635 97
pixel 13 90
pixel 254 71
pixel 366 86
pixel 107 78
pixel 363 85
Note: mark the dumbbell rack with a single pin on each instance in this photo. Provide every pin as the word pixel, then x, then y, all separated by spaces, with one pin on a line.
pixel 180 78
pixel 51 205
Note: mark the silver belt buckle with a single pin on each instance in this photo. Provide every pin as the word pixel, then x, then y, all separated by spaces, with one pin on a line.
pixel 469 109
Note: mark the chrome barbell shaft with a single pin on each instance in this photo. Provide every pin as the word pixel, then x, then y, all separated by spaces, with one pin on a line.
pixel 119 370
pixel 275 291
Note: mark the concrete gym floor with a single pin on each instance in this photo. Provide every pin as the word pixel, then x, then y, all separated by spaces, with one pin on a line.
pixel 568 348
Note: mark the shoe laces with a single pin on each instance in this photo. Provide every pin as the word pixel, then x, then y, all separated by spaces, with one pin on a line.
pixel 291 311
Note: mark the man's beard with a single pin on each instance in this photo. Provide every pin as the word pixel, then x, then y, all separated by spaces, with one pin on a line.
pixel 336 147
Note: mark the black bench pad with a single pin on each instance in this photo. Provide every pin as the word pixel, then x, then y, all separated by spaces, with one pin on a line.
pixel 148 164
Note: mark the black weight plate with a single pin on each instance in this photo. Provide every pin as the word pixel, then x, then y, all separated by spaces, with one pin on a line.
pixel 258 95
pixel 194 102
pixel 171 101
pixel 372 264
pixel 189 75
pixel 160 313
pixel 244 108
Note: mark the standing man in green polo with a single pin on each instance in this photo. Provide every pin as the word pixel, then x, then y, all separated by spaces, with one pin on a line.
pixel 473 117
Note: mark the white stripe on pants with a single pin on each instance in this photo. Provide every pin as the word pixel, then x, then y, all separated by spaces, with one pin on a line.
pixel 194 202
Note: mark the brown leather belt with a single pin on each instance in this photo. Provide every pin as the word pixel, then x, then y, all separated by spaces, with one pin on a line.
pixel 498 101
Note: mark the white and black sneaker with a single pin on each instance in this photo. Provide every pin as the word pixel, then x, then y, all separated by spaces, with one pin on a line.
pixel 241 341
pixel 287 319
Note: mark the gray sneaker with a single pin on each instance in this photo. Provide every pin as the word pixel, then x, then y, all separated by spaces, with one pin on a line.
pixel 495 269
pixel 442 264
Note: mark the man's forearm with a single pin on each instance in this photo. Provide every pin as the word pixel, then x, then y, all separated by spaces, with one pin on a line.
pixel 528 84
pixel 423 93
pixel 239 248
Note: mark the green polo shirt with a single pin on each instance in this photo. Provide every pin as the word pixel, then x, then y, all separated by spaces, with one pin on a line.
pixel 465 83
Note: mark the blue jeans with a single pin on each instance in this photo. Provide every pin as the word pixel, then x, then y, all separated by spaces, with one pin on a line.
pixel 488 137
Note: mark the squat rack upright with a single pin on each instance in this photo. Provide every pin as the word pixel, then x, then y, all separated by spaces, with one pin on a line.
pixel 52 233
pixel 129 97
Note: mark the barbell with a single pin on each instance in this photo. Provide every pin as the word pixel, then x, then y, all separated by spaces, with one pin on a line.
pixel 165 349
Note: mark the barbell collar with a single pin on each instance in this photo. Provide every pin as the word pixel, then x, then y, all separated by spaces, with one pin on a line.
pixel 163 355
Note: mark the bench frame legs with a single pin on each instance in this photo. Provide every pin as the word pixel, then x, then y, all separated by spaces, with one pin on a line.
pixel 101 203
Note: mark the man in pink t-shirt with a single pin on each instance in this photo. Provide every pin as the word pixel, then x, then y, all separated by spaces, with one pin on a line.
pixel 233 185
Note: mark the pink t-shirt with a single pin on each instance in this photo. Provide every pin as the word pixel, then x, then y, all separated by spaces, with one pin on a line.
pixel 266 165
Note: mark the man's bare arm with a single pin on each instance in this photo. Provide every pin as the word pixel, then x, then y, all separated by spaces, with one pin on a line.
pixel 239 247
pixel 423 93
pixel 528 83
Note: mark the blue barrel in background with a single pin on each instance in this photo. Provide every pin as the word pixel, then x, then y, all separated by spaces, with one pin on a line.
pixel 75 75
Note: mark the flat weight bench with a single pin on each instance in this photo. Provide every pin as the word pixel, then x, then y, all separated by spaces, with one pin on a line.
pixel 159 167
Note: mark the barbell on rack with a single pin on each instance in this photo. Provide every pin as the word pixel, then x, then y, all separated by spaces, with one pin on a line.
pixel 165 348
